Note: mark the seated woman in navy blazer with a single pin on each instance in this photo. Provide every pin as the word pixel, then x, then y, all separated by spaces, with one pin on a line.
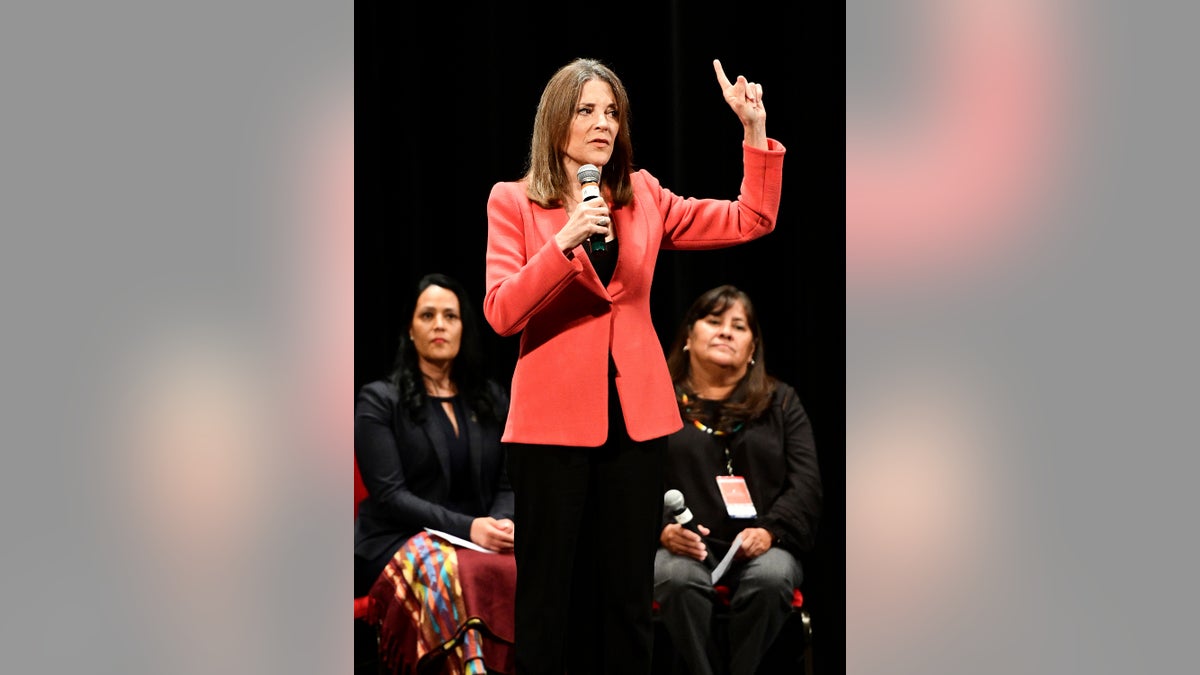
pixel 427 438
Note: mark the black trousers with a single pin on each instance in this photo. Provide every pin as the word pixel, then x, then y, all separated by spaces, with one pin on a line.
pixel 587 525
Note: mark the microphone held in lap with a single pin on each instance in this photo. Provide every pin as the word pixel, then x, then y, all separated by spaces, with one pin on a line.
pixel 678 510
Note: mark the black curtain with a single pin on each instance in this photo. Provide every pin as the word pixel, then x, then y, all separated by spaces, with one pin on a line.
pixel 444 103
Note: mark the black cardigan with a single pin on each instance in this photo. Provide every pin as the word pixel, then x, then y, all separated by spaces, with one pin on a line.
pixel 776 455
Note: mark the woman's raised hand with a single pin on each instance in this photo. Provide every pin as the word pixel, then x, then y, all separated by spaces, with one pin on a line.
pixel 746 99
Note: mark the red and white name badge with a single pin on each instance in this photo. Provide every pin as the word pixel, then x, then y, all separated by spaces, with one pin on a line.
pixel 736 496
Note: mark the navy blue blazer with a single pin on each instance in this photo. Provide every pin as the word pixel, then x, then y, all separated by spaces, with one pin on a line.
pixel 406 469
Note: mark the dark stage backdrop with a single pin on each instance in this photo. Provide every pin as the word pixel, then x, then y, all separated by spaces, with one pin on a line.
pixel 445 98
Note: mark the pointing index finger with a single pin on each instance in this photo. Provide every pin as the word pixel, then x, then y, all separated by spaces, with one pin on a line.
pixel 721 79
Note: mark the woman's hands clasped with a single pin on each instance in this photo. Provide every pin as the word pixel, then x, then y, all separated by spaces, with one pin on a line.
pixel 493 534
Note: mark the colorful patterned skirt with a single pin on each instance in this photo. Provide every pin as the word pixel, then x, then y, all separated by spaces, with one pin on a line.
pixel 446 610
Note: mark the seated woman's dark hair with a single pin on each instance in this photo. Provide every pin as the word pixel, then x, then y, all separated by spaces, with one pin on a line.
pixel 467 372
pixel 752 395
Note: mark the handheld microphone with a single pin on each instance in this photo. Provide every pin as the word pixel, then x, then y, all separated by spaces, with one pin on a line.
pixel 673 503
pixel 589 179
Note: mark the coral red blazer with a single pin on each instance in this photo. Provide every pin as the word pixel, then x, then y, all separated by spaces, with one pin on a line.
pixel 569 321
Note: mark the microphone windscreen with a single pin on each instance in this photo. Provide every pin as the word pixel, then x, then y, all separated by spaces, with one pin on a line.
pixel 588 173
pixel 673 500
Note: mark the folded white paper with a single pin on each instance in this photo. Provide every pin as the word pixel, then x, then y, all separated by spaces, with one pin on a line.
pixel 724 564
pixel 457 541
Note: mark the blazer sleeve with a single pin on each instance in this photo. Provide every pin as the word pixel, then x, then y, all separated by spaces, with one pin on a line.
pixel 693 224
pixel 502 502
pixel 381 463
pixel 794 515
pixel 519 282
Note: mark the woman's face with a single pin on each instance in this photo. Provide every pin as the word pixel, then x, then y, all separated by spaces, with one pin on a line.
pixel 436 328
pixel 594 128
pixel 722 340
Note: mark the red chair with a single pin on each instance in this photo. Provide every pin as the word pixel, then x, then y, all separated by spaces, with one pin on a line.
pixel 799 612
pixel 366 636
pixel 362 604
pixel 798 609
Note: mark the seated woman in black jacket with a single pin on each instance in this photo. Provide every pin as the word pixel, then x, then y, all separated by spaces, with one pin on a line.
pixel 745 435
pixel 427 438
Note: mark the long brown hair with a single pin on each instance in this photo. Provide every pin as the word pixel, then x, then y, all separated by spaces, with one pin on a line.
pixel 752 395
pixel 546 182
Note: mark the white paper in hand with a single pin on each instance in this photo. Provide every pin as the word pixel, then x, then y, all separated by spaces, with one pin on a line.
pixel 457 541
pixel 724 564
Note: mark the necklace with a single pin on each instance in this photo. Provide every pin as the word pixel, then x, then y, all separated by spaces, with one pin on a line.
pixel 714 432
pixel 707 429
